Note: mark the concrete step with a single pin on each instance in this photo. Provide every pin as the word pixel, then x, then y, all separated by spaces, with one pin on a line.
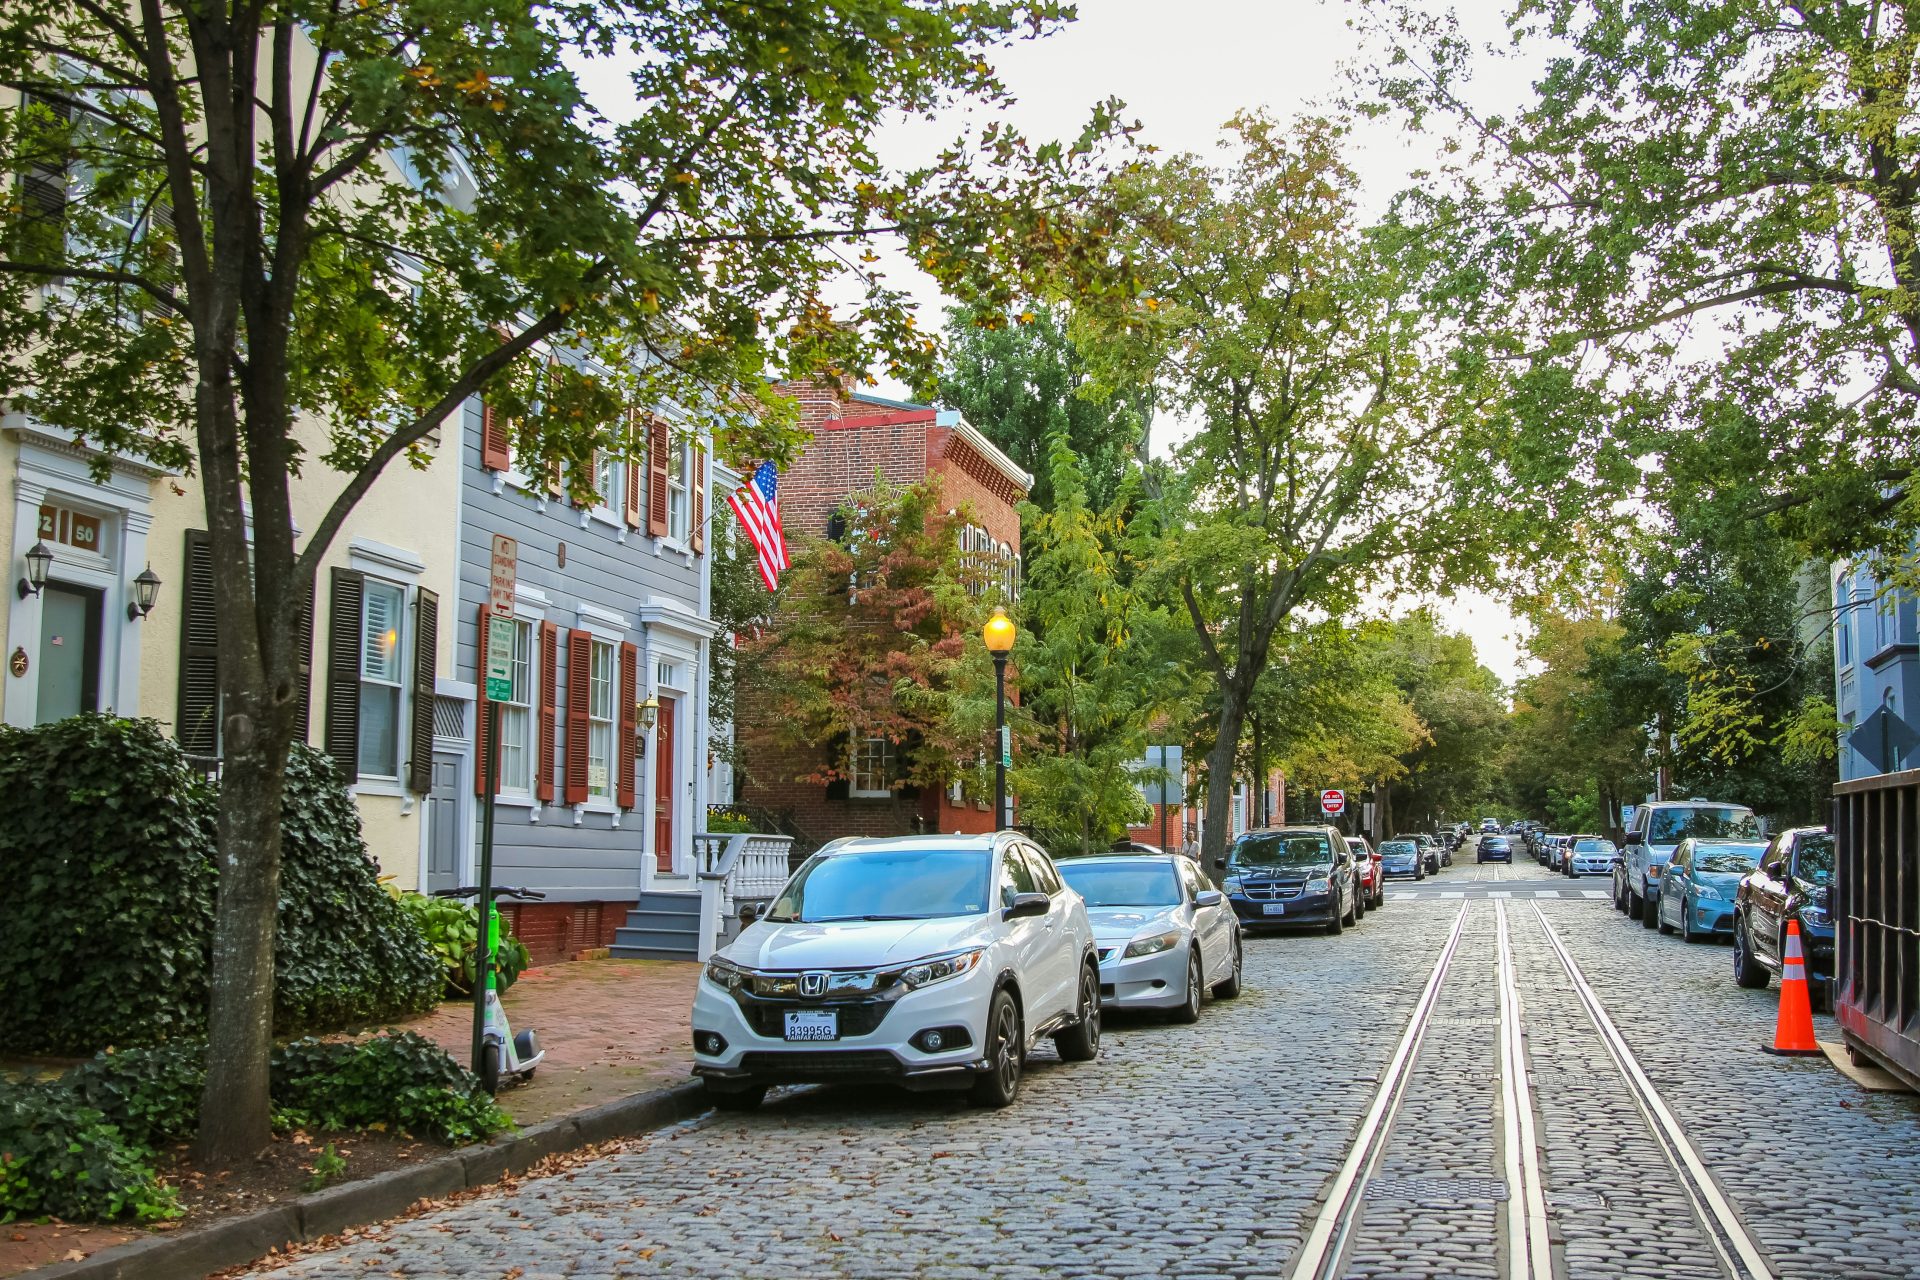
pixel 619 952
pixel 679 903
pixel 674 939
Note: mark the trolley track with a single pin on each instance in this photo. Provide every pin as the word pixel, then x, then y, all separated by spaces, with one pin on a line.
pixel 1528 1235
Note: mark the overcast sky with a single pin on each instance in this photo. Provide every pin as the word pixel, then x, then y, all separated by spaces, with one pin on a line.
pixel 1183 69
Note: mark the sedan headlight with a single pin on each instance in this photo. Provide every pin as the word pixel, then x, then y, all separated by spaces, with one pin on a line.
pixel 1153 945
pixel 1815 914
pixel 924 973
pixel 726 974
pixel 1708 891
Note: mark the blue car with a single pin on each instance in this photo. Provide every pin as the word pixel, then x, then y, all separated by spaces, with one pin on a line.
pixel 1697 891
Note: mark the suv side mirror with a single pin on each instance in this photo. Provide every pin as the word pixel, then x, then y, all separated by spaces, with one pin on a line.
pixel 1025 905
pixel 1209 898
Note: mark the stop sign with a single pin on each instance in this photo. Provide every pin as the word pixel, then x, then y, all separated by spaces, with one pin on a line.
pixel 1333 803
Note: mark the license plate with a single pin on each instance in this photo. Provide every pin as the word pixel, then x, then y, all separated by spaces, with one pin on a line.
pixel 813 1024
pixel 1275 908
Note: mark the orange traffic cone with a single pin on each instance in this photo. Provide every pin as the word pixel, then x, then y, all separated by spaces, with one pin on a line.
pixel 1793 1037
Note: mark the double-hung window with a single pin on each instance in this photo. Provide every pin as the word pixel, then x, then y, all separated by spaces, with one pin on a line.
pixel 516 717
pixel 872 762
pixel 383 614
pixel 602 687
pixel 677 487
pixel 607 473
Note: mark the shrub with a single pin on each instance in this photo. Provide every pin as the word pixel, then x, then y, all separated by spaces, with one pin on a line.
pixel 397 1079
pixel 728 822
pixel 109 901
pixel 347 952
pixel 149 1094
pixel 111 879
pixel 452 930
pixel 66 1160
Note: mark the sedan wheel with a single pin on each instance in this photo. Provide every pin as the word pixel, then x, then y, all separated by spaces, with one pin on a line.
pixel 997 1086
pixel 1659 914
pixel 1686 922
pixel 1190 1010
pixel 1230 986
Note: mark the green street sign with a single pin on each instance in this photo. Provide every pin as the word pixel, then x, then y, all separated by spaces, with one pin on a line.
pixel 1006 746
pixel 500 659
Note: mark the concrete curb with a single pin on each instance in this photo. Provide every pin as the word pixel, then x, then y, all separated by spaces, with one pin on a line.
pixel 191 1255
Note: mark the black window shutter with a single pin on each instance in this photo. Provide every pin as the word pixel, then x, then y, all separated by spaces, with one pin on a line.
pixel 343 672
pixel 303 709
pixel 197 719
pixel 43 182
pixel 426 640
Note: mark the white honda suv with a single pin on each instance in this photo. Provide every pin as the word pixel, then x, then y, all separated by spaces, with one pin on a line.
pixel 925 961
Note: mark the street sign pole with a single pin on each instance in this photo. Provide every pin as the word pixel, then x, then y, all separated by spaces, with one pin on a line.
pixel 498 675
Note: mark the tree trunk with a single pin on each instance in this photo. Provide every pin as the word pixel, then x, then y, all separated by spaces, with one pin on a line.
pixel 1213 838
pixel 236 1110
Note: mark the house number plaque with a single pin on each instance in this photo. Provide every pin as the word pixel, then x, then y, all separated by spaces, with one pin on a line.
pixel 18 662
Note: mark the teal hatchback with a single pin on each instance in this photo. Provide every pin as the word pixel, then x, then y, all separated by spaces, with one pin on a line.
pixel 1696 893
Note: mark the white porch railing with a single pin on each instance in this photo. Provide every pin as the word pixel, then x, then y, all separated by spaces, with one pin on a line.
pixel 736 870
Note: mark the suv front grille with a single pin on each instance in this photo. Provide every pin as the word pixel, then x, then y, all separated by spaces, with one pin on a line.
pixel 857 1017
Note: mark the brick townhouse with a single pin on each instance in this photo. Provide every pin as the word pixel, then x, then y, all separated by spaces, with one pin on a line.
pixel 854 439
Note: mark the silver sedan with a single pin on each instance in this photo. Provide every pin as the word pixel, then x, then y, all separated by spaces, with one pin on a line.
pixel 1164 935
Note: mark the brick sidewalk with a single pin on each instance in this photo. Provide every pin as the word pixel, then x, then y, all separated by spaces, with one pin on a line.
pixel 610 1028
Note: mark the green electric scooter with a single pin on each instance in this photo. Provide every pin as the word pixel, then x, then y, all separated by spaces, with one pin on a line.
pixel 503 1055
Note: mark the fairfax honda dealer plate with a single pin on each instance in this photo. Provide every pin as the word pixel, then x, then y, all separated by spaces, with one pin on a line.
pixel 813 1024
pixel 1276 908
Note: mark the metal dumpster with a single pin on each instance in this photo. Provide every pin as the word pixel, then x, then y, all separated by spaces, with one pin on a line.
pixel 1876 901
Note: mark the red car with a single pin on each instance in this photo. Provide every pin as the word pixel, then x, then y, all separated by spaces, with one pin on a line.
pixel 1367 875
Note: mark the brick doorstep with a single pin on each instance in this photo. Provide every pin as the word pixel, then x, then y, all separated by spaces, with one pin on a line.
pixel 190 1255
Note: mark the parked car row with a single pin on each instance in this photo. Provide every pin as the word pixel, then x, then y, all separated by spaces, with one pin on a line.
pixel 1705 870
pixel 939 962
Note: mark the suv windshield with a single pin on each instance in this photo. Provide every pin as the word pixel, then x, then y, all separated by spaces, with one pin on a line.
pixel 887 884
pixel 1671 826
pixel 1291 850
pixel 1814 859
pixel 1123 884
pixel 1727 859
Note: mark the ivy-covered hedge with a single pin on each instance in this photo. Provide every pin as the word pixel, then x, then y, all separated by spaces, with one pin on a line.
pixel 109 863
pixel 82 1147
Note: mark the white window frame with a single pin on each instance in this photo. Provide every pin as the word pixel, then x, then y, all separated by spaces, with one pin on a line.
pixel 870 762
pixel 402 649
pixel 679 487
pixel 526 711
pixel 601 728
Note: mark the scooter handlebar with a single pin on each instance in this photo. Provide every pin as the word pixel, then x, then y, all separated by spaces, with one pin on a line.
pixel 499 891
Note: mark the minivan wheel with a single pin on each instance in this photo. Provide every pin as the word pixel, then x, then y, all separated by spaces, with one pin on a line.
pixel 1619 901
pixel 1634 905
pixel 1189 1010
pixel 1649 912
pixel 1747 971
pixel 1000 1082
pixel 1333 920
pixel 1081 1041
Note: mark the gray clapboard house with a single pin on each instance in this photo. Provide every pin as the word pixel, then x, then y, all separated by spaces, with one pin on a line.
pixel 603 757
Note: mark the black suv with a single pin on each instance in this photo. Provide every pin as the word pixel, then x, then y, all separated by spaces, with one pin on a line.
pixel 1291 876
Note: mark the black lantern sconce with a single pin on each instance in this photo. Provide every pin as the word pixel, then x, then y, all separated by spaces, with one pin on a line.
pixel 146 590
pixel 39 561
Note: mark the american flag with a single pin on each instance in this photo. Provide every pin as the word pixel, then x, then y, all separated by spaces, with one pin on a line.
pixel 757 503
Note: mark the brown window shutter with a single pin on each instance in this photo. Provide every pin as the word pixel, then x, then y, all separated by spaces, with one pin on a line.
pixel 633 470
pixel 303 708
pixel 426 643
pixel 579 669
pixel 627 729
pixel 658 438
pixel 549 710
pixel 697 534
pixel 496 450
pixel 197 721
pixel 342 740
pixel 480 742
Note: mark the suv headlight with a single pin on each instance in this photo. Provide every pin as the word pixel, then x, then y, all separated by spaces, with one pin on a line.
pixel 1815 914
pixel 1318 885
pixel 1230 885
pixel 1152 946
pixel 924 973
pixel 726 974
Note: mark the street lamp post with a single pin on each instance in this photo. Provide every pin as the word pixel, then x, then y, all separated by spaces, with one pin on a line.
pixel 999 633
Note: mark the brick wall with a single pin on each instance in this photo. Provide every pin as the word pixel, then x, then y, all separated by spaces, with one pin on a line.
pixel 556 931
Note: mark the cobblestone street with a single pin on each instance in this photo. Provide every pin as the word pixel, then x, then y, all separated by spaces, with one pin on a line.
pixel 1205 1151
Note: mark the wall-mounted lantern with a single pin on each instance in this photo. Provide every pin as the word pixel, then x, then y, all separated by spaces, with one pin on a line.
pixel 146 591
pixel 39 561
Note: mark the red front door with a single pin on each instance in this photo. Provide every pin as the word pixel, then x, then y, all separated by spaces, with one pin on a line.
pixel 663 758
